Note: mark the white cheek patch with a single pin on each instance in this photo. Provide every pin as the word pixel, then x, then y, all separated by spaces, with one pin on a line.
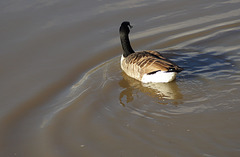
pixel 160 76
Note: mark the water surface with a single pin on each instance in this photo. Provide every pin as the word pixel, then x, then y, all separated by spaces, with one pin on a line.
pixel 63 92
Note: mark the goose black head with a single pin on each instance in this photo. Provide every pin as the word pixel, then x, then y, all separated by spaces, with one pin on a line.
pixel 125 27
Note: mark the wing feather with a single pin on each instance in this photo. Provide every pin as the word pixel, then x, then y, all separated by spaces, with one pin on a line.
pixel 150 61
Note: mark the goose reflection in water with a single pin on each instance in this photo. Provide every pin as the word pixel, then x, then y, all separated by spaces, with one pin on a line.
pixel 162 91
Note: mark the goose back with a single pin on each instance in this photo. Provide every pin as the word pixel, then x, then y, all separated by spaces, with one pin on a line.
pixel 146 62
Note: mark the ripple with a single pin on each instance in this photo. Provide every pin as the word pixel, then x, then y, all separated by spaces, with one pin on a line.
pixel 193 91
pixel 106 113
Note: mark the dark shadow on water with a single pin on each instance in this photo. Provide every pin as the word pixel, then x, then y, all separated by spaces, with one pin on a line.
pixel 197 63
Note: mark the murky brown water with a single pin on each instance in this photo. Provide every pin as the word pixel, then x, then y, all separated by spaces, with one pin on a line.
pixel 63 93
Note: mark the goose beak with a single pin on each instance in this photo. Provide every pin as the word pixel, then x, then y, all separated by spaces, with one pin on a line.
pixel 130 26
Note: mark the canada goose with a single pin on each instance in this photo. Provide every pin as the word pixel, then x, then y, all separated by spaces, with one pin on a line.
pixel 146 66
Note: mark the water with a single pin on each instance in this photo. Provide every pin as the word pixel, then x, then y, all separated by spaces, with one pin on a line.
pixel 63 92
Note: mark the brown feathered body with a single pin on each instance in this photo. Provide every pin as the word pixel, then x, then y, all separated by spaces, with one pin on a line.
pixel 138 64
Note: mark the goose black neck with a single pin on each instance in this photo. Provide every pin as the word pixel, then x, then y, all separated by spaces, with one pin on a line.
pixel 127 48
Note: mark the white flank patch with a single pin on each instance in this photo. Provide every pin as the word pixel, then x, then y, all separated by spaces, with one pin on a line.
pixel 122 58
pixel 160 76
pixel 121 61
